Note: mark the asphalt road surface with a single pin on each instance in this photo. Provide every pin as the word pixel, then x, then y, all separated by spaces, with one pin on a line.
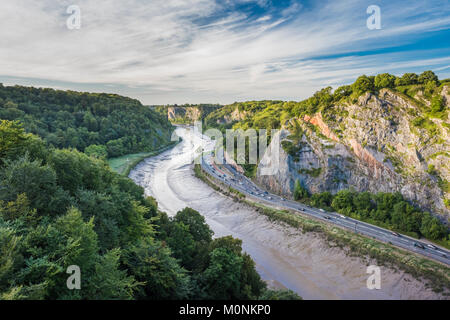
pixel 239 182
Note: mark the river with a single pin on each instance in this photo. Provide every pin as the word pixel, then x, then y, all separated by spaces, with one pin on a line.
pixel 284 257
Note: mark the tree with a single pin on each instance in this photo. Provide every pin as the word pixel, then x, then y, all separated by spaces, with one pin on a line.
pixel 252 285
pixel 10 255
pixel 343 201
pixel 363 84
pixel 341 92
pixel 384 80
pixel 322 200
pixel 196 223
pixel 80 234
pixel 362 203
pixel 96 151
pixel 221 279
pixel 300 192
pixel 182 244
pixel 12 138
pixel 32 178
pixel 108 281
pixel 407 79
pixel 427 76
pixel 431 227
pixel 150 262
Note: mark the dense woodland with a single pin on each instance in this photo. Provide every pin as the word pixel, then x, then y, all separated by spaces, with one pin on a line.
pixel 104 125
pixel 389 210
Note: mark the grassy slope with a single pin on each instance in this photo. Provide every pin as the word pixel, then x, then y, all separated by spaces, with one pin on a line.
pixel 124 164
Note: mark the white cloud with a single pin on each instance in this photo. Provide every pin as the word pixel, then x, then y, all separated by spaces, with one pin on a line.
pixel 172 51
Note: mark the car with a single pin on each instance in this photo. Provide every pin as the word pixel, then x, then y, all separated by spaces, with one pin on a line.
pixel 395 234
pixel 444 256
pixel 342 216
pixel 270 198
pixel 418 245
pixel 327 217
pixel 432 247
pixel 321 210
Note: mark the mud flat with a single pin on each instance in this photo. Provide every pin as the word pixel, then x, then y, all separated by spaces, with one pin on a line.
pixel 285 257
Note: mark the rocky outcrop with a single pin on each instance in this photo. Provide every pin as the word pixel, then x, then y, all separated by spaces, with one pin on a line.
pixel 372 146
pixel 233 116
pixel 189 114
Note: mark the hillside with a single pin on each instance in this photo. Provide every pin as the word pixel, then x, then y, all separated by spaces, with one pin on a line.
pixel 380 134
pixel 105 125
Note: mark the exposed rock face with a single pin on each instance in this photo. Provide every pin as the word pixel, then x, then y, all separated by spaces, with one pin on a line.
pixel 235 115
pixel 186 113
pixel 370 146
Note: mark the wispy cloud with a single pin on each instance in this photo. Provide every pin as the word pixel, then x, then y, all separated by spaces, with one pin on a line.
pixel 172 51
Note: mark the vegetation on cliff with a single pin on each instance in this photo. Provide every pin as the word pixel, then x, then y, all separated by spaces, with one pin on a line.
pixel 417 152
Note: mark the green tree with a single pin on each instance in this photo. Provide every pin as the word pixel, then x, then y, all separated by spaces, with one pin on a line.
pixel 343 201
pixel 108 281
pixel 427 76
pixel 182 244
pixel 96 151
pixel 196 223
pixel 363 84
pixel 300 192
pixel 407 79
pixel 431 227
pixel 221 279
pixel 150 262
pixel 384 80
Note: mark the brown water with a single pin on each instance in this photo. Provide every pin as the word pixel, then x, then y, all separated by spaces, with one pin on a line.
pixel 284 257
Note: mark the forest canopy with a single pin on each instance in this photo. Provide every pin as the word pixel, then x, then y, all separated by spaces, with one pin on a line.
pixel 97 123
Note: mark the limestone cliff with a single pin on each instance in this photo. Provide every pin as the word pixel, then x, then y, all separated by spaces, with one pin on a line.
pixel 371 145
pixel 186 113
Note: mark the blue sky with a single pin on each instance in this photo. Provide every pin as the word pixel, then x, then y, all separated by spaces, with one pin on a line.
pixel 206 51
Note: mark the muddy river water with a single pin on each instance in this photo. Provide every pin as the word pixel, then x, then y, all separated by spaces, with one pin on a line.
pixel 285 258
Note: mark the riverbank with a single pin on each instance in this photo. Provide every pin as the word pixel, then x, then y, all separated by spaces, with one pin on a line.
pixel 435 275
pixel 285 257
pixel 124 164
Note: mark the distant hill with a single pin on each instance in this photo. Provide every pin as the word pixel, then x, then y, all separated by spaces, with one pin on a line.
pixel 98 123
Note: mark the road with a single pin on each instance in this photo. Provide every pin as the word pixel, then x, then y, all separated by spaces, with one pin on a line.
pixel 239 182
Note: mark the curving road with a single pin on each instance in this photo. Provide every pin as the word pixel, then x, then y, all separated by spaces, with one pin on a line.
pixel 238 181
